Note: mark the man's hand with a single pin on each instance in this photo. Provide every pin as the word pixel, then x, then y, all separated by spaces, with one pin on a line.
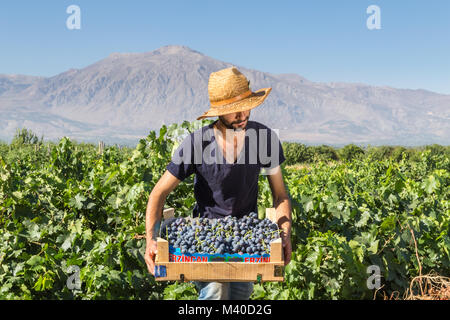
pixel 155 205
pixel 150 254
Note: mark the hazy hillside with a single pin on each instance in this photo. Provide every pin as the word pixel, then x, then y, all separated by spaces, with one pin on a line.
pixel 123 96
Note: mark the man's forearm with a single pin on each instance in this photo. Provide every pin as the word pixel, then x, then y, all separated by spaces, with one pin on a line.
pixel 153 214
pixel 284 216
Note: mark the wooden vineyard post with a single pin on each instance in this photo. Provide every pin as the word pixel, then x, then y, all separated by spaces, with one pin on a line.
pixel 101 147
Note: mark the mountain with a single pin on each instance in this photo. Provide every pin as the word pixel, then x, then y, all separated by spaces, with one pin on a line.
pixel 121 98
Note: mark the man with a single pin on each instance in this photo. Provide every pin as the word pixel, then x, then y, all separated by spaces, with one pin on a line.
pixel 226 158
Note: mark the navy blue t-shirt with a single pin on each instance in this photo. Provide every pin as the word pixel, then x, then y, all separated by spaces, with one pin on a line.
pixel 222 188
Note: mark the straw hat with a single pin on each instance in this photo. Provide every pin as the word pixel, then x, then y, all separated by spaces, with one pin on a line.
pixel 229 92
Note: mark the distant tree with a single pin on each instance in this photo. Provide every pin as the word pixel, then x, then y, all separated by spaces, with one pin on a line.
pixel 350 152
pixel 25 136
pixel 324 153
pixel 399 152
pixel 437 149
pixel 296 153
pixel 380 153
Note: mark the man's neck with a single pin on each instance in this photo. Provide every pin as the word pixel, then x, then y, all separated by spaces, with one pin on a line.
pixel 230 140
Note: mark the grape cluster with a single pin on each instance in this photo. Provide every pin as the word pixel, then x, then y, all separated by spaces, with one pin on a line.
pixel 227 235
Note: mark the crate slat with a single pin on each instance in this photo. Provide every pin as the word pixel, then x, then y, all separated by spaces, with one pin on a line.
pixel 271 214
pixel 221 271
pixel 162 247
pixel 168 213
pixel 276 251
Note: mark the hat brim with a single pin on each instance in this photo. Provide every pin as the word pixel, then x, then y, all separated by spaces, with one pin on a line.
pixel 252 101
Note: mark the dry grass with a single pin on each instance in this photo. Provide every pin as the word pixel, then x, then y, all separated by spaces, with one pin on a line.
pixel 429 287
pixel 425 287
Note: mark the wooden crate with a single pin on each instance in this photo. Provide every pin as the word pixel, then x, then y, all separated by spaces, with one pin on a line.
pixel 220 271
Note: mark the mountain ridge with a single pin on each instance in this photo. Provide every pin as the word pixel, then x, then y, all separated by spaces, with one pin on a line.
pixel 129 94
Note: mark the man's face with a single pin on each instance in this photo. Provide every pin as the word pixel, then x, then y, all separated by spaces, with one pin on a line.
pixel 236 121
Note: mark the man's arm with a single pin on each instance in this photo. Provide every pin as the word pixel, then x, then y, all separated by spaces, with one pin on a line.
pixel 282 205
pixel 155 205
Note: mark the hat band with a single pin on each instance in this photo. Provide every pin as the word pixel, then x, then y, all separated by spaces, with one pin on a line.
pixel 231 100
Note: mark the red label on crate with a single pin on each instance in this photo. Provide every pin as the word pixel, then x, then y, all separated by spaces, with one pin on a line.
pixel 257 259
pixel 217 258
pixel 175 255
pixel 184 258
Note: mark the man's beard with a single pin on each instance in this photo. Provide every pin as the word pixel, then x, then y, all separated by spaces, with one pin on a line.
pixel 229 125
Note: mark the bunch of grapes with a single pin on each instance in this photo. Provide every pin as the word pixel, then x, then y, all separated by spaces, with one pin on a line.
pixel 227 235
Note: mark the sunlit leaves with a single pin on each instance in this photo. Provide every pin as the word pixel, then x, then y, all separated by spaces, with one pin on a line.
pixel 66 204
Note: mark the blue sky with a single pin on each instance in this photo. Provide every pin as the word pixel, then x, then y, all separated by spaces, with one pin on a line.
pixel 321 40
